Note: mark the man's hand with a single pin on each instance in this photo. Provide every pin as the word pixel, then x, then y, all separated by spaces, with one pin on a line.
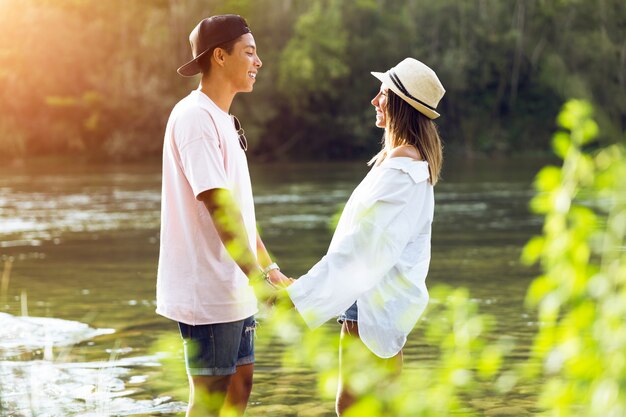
pixel 271 291
pixel 278 279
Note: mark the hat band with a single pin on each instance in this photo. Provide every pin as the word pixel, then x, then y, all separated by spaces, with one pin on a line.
pixel 400 86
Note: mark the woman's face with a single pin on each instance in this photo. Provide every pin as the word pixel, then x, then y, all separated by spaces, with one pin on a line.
pixel 380 103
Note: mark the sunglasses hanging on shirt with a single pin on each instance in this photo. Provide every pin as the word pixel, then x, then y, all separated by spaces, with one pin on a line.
pixel 243 142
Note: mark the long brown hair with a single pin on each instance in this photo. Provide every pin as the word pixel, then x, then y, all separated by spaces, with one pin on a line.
pixel 407 126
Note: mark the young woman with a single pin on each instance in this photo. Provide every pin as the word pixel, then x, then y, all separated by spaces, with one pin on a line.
pixel 374 273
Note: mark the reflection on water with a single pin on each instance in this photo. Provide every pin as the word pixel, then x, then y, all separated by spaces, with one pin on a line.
pixel 46 388
pixel 35 216
pixel 34 383
pixel 83 244
pixel 27 334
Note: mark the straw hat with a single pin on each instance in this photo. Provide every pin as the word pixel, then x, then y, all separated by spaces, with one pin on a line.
pixel 416 84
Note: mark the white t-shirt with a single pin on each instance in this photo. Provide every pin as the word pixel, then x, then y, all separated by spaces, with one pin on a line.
pixel 198 282
pixel 379 256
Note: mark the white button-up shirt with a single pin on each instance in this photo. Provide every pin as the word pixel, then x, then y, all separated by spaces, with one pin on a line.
pixel 379 256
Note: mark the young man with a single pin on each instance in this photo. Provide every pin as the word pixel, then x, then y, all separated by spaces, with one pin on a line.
pixel 210 250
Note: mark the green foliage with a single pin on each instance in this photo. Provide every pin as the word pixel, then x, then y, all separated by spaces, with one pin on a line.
pixel 170 351
pixel 314 56
pixel 453 326
pixel 581 295
pixel 507 66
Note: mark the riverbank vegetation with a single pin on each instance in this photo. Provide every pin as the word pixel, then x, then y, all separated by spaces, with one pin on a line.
pixel 581 294
pixel 98 78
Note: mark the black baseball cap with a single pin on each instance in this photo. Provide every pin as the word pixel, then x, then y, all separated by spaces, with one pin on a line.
pixel 209 33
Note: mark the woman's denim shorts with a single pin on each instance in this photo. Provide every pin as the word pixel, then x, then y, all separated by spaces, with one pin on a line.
pixel 351 314
pixel 217 349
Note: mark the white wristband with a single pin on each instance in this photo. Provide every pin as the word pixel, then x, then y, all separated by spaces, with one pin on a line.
pixel 270 268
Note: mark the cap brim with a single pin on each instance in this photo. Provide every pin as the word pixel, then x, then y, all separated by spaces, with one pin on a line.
pixel 385 79
pixel 190 69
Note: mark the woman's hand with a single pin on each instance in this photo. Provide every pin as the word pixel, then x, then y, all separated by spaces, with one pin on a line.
pixel 278 279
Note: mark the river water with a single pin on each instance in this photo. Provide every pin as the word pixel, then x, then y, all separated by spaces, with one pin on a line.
pixel 79 247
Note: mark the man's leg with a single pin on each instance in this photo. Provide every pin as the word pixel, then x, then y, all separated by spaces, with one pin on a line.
pixel 206 395
pixel 354 355
pixel 239 389
pixel 241 382
pixel 220 362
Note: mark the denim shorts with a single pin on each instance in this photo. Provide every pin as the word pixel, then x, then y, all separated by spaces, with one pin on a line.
pixel 217 349
pixel 351 314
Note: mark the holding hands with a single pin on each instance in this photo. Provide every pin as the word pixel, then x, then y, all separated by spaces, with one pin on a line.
pixel 275 278
pixel 269 288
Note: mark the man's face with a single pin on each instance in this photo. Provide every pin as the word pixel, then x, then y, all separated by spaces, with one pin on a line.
pixel 243 64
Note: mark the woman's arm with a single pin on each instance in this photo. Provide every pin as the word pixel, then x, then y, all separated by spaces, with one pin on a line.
pixel 366 253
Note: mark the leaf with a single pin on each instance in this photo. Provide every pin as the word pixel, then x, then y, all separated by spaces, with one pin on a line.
pixel 589 130
pixel 561 144
pixel 533 249
pixel 574 112
pixel 548 179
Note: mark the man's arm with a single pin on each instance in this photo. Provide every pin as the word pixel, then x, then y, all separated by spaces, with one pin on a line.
pixel 231 229
pixel 275 276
